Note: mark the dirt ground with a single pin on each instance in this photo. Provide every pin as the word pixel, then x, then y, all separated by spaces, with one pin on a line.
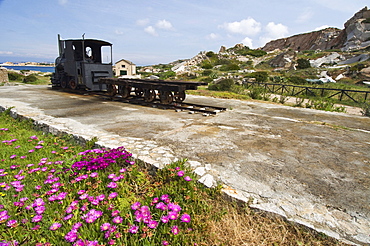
pixel 301 162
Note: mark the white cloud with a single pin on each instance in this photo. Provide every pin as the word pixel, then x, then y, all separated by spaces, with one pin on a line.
pixel 273 31
pixel 6 53
pixel 142 22
pixel 246 27
pixel 163 24
pixel 118 32
pixel 63 2
pixel 151 30
pixel 248 42
pixel 212 36
pixel 276 30
pixel 305 16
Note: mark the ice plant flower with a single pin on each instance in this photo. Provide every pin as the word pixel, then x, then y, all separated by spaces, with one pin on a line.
pixel 175 230
pixel 55 226
pixel 152 224
pixel 135 206
pixel 187 178
pixel 37 218
pixel 133 229
pixel 180 173
pixel 112 185
pixel 71 236
pixel 105 227
pixel 185 218
pixel 112 195
pixel 117 219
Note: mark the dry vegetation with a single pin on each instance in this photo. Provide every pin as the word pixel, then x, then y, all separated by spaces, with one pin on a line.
pixel 240 225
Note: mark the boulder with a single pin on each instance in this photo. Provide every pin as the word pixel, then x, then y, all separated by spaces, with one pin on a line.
pixel 3 75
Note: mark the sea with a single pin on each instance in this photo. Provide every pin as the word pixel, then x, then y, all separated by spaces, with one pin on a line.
pixel 43 69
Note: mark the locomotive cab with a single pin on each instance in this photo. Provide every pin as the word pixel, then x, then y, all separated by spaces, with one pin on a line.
pixel 81 63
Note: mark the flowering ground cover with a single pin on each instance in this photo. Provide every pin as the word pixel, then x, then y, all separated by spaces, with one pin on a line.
pixel 55 192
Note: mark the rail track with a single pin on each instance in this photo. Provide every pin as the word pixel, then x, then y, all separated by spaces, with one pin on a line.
pixel 178 106
pixel 138 100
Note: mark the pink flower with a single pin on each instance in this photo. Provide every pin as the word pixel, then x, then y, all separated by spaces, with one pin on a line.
pixel 55 226
pixel 165 219
pixel 175 230
pixel 185 218
pixel 187 178
pixel 180 173
pixel 112 195
pixel 105 227
pixel 115 213
pixel 152 224
pixel 133 229
pixel 173 215
pixel 117 219
pixel 135 206
pixel 112 185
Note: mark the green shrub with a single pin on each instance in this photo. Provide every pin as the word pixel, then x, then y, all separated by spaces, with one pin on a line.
pixel 260 76
pixel 207 79
pixel 207 72
pixel 229 67
pixel 167 74
pixel 303 63
pixel 30 78
pixel 256 93
pixel 222 85
pixel 15 76
pixel 296 80
pixel 211 54
pixel 206 65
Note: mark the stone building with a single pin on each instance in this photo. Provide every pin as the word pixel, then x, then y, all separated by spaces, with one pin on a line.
pixel 124 68
pixel 3 75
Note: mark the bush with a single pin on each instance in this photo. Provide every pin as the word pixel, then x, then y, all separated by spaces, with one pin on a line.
pixel 206 65
pixel 207 72
pixel 303 63
pixel 259 76
pixel 166 75
pixel 296 80
pixel 211 54
pixel 30 78
pixel 15 77
pixel 223 85
pixel 229 67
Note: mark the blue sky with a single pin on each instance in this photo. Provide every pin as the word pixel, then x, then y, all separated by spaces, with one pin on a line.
pixel 151 31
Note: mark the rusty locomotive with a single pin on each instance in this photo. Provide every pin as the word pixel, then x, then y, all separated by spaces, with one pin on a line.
pixel 86 64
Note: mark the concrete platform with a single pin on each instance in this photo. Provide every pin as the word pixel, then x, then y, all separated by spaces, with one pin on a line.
pixel 312 167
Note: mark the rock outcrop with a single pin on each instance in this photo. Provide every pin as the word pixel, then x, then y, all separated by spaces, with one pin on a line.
pixel 3 75
pixel 355 35
pixel 357 30
pixel 325 39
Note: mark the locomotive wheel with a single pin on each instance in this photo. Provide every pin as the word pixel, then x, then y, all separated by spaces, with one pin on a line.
pixel 124 91
pixel 179 96
pixel 111 90
pixel 139 92
pixel 166 97
pixel 63 83
pixel 73 84
pixel 149 95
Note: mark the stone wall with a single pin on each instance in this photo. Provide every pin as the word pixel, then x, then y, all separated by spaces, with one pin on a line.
pixel 4 75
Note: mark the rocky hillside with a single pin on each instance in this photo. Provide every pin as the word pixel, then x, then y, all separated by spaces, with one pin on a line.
pixel 354 36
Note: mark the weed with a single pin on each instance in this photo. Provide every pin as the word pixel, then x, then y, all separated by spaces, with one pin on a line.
pixel 365 109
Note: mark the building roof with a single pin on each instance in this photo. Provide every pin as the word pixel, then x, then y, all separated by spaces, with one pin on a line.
pixel 125 61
